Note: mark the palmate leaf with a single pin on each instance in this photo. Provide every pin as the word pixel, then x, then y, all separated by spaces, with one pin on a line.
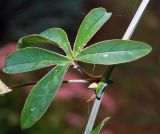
pixel 114 52
pixel 29 59
pixel 54 36
pixel 98 129
pixel 41 96
pixel 90 25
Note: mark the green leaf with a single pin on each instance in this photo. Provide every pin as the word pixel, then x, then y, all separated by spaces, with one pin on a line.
pixel 100 126
pixel 90 25
pixel 114 52
pixel 54 36
pixel 28 59
pixel 41 96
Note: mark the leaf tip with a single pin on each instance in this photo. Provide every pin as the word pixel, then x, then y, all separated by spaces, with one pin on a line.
pixel 23 124
pixel 19 43
pixel 109 14
pixel 148 49
pixel 6 70
pixel 106 119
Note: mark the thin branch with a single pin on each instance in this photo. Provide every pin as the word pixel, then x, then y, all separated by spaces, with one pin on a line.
pixel 76 66
pixel 82 71
pixel 23 84
pixel 65 81
pixel 87 74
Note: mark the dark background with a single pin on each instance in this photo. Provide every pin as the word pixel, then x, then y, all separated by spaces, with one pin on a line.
pixel 133 101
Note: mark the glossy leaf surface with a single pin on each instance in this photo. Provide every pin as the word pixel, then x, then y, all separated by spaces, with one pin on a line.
pixel 29 59
pixel 98 129
pixel 41 96
pixel 90 25
pixel 54 36
pixel 114 52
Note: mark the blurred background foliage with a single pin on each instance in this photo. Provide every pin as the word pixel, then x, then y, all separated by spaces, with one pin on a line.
pixel 132 101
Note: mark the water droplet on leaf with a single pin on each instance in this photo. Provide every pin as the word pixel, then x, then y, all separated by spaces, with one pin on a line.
pixel 32 109
pixel 106 55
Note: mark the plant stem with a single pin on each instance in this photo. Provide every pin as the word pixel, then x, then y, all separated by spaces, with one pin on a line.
pixel 131 28
pixel 65 81
pixel 82 71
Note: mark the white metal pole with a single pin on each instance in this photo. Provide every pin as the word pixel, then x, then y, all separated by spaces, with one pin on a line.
pixel 131 28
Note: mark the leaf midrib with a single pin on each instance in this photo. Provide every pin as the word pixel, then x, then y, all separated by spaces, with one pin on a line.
pixel 79 49
pixel 33 63
pixel 108 52
pixel 28 115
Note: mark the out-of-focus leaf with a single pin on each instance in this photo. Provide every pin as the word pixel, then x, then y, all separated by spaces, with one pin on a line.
pixel 54 36
pixel 90 25
pixel 98 129
pixel 114 52
pixel 28 59
pixel 3 88
pixel 41 96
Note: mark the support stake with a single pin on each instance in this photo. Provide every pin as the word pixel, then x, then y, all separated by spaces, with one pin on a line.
pixel 131 28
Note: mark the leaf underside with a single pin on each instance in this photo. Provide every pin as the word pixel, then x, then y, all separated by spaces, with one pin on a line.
pixel 29 59
pixel 41 96
pixel 114 52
